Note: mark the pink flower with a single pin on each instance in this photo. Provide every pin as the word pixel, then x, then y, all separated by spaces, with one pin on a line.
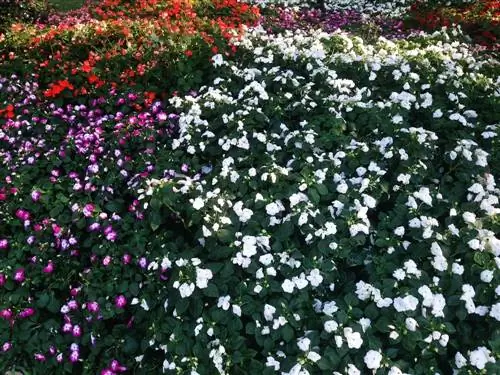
pixel 73 305
pixel 126 258
pixel 88 210
pixel 107 371
pixel 74 356
pixel 6 346
pixel 106 261
pixel 117 367
pixel 40 357
pixel 4 244
pixel 26 313
pixel 120 301
pixel 77 331
pixel 93 307
pixel 6 314
pixel 19 275
pixel 22 214
pixel 49 268
pixel 67 327
pixel 35 195
pixel 3 279
pixel 110 233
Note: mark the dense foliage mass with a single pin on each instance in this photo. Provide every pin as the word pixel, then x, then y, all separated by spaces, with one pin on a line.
pixel 215 187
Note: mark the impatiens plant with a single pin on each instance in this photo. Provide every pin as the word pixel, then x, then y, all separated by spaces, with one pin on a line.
pixel 307 202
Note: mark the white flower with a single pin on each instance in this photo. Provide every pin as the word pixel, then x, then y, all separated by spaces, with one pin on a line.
pixel 411 324
pixel 399 231
pixel 313 356
pixel 395 371
pixel 198 203
pixel 373 359
pixel 408 303
pixel 352 370
pixel 460 360
pixel 288 286
pixel 330 308
pixel 365 323
pixel 224 302
pixel 342 187
pixel 271 362
pixel 495 311
pixel 480 357
pixel 272 209
pixel 202 277
pixel 330 326
pixel 269 312
pixel 144 305
pixel 399 274
pixel 356 228
pixel 315 277
pixel 186 289
pixel 354 340
pixel 236 310
pixel 457 269
pixel 304 344
pixel 469 217
pixel 168 366
pixel 424 195
pixel 218 60
pixel 486 276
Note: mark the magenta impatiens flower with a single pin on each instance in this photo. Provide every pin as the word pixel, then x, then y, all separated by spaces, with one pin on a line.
pixel 88 210
pixel 110 233
pixel 19 275
pixel 3 279
pixel 120 301
pixel 49 268
pixel 4 244
pixel 6 314
pixel 93 306
pixel 27 312
pixel 6 346
pixel 22 214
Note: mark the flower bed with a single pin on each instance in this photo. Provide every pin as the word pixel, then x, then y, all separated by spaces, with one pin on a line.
pixel 312 203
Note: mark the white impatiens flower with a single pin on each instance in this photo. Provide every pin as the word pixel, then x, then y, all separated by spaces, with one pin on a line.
pixel 495 311
pixel 271 362
pixel 330 326
pixel 352 370
pixel 486 276
pixel 460 360
pixel 407 303
pixel 329 308
pixel 372 359
pixel 354 340
pixel 288 286
pixel 202 277
pixel 198 203
pixel 411 324
pixel 399 231
pixel 480 357
pixel 469 217
pixel 304 344
pixel 269 312
pixel 315 277
pixel 223 302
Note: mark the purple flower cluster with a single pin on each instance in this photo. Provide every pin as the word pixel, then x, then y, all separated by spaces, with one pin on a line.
pixel 329 21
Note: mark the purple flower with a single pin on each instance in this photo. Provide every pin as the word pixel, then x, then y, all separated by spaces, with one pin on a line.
pixel 40 357
pixel 19 275
pixel 117 367
pixel 73 305
pixel 88 210
pixel 6 346
pixel 110 233
pixel 67 327
pixel 120 301
pixel 3 279
pixel 143 263
pixel 4 244
pixel 126 258
pixel 77 331
pixel 74 356
pixel 27 312
pixel 93 307
pixel 107 371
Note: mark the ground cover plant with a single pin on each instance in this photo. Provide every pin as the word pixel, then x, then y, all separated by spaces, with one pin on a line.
pixel 257 190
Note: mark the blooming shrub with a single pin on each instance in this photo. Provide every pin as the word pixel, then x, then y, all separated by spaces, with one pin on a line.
pixel 320 205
